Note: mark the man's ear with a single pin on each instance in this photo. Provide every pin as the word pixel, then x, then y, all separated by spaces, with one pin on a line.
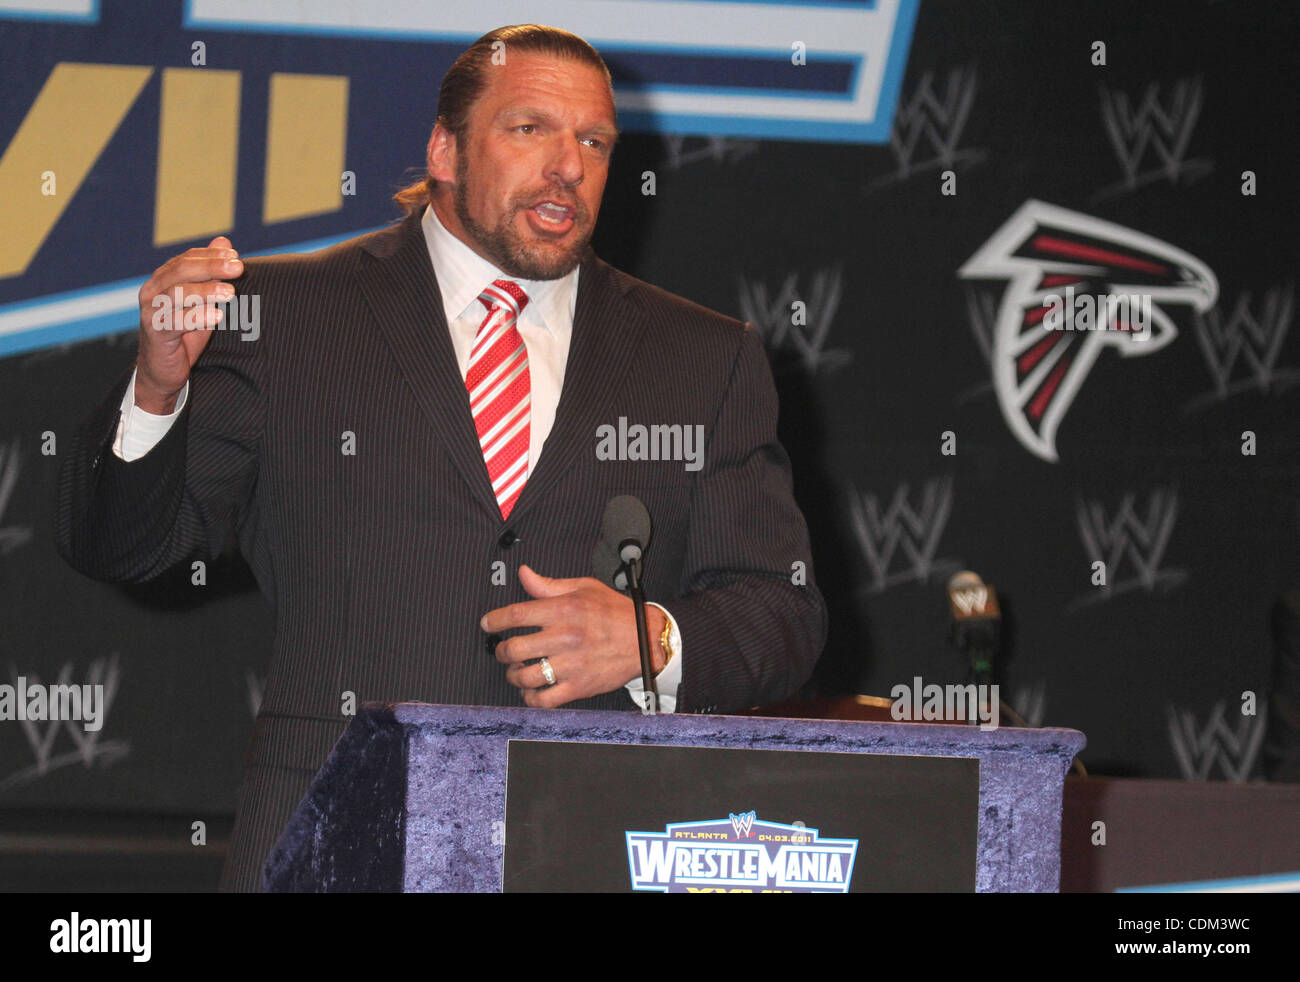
pixel 441 154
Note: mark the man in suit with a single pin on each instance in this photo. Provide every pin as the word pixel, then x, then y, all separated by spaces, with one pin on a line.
pixel 410 455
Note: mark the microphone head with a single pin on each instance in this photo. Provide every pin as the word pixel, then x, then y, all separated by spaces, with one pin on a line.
pixel 626 518
pixel 625 525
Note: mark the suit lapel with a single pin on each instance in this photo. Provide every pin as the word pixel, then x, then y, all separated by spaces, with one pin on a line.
pixel 606 336
pixel 403 294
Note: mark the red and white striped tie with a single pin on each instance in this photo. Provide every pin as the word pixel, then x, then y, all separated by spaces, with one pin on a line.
pixel 500 392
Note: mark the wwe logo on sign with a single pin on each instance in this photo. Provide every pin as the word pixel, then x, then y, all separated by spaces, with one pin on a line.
pixel 42 734
pixel 1140 539
pixel 1138 126
pixel 1198 750
pixel 970 600
pixel 788 322
pixel 1252 334
pixel 743 824
pixel 937 115
pixel 882 533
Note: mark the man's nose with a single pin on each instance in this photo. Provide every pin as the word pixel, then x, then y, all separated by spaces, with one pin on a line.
pixel 565 165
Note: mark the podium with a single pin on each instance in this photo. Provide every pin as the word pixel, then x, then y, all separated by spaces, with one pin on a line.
pixel 413 796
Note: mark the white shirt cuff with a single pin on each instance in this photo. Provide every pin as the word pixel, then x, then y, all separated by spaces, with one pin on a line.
pixel 139 431
pixel 667 681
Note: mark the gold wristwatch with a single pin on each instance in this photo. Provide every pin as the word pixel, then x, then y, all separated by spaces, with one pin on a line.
pixel 670 641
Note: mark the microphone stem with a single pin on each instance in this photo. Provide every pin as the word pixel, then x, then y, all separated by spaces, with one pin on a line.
pixel 651 693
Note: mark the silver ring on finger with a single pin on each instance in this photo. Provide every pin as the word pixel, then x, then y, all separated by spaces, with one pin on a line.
pixel 548 672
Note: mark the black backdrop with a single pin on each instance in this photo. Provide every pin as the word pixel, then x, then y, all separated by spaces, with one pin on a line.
pixel 1199 538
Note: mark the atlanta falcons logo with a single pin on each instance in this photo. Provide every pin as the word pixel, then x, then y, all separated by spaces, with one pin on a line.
pixel 1043 251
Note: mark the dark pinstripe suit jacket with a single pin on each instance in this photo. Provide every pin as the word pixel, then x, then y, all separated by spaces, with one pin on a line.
pixel 380 562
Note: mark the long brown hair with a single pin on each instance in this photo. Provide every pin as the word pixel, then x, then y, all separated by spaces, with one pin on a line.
pixel 466 79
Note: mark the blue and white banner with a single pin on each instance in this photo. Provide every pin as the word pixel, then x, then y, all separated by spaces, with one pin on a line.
pixel 134 131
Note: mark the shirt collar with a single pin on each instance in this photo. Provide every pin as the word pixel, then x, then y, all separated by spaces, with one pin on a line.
pixel 462 274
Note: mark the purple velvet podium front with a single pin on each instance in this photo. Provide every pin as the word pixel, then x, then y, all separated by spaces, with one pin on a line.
pixel 412 798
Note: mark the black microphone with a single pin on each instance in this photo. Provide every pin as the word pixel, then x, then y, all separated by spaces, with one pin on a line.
pixel 624 536
pixel 976 621
pixel 616 559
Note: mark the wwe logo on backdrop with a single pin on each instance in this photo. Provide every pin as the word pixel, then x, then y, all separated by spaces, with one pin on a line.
pixel 1149 130
pixel 13 536
pixel 914 532
pixel 1141 539
pixel 1042 251
pixel 42 735
pixel 719 149
pixel 790 323
pixel 742 824
pixel 1250 334
pixel 1197 749
pixel 928 126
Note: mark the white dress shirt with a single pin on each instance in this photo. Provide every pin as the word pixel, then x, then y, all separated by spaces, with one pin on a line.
pixel 546 327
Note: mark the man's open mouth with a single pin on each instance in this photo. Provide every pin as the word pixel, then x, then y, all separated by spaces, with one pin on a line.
pixel 552 213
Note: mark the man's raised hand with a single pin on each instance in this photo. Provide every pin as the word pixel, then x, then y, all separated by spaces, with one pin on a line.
pixel 178 310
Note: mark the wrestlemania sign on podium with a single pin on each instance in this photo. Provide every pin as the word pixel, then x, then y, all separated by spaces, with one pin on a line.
pixel 616 818
pixel 742 854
